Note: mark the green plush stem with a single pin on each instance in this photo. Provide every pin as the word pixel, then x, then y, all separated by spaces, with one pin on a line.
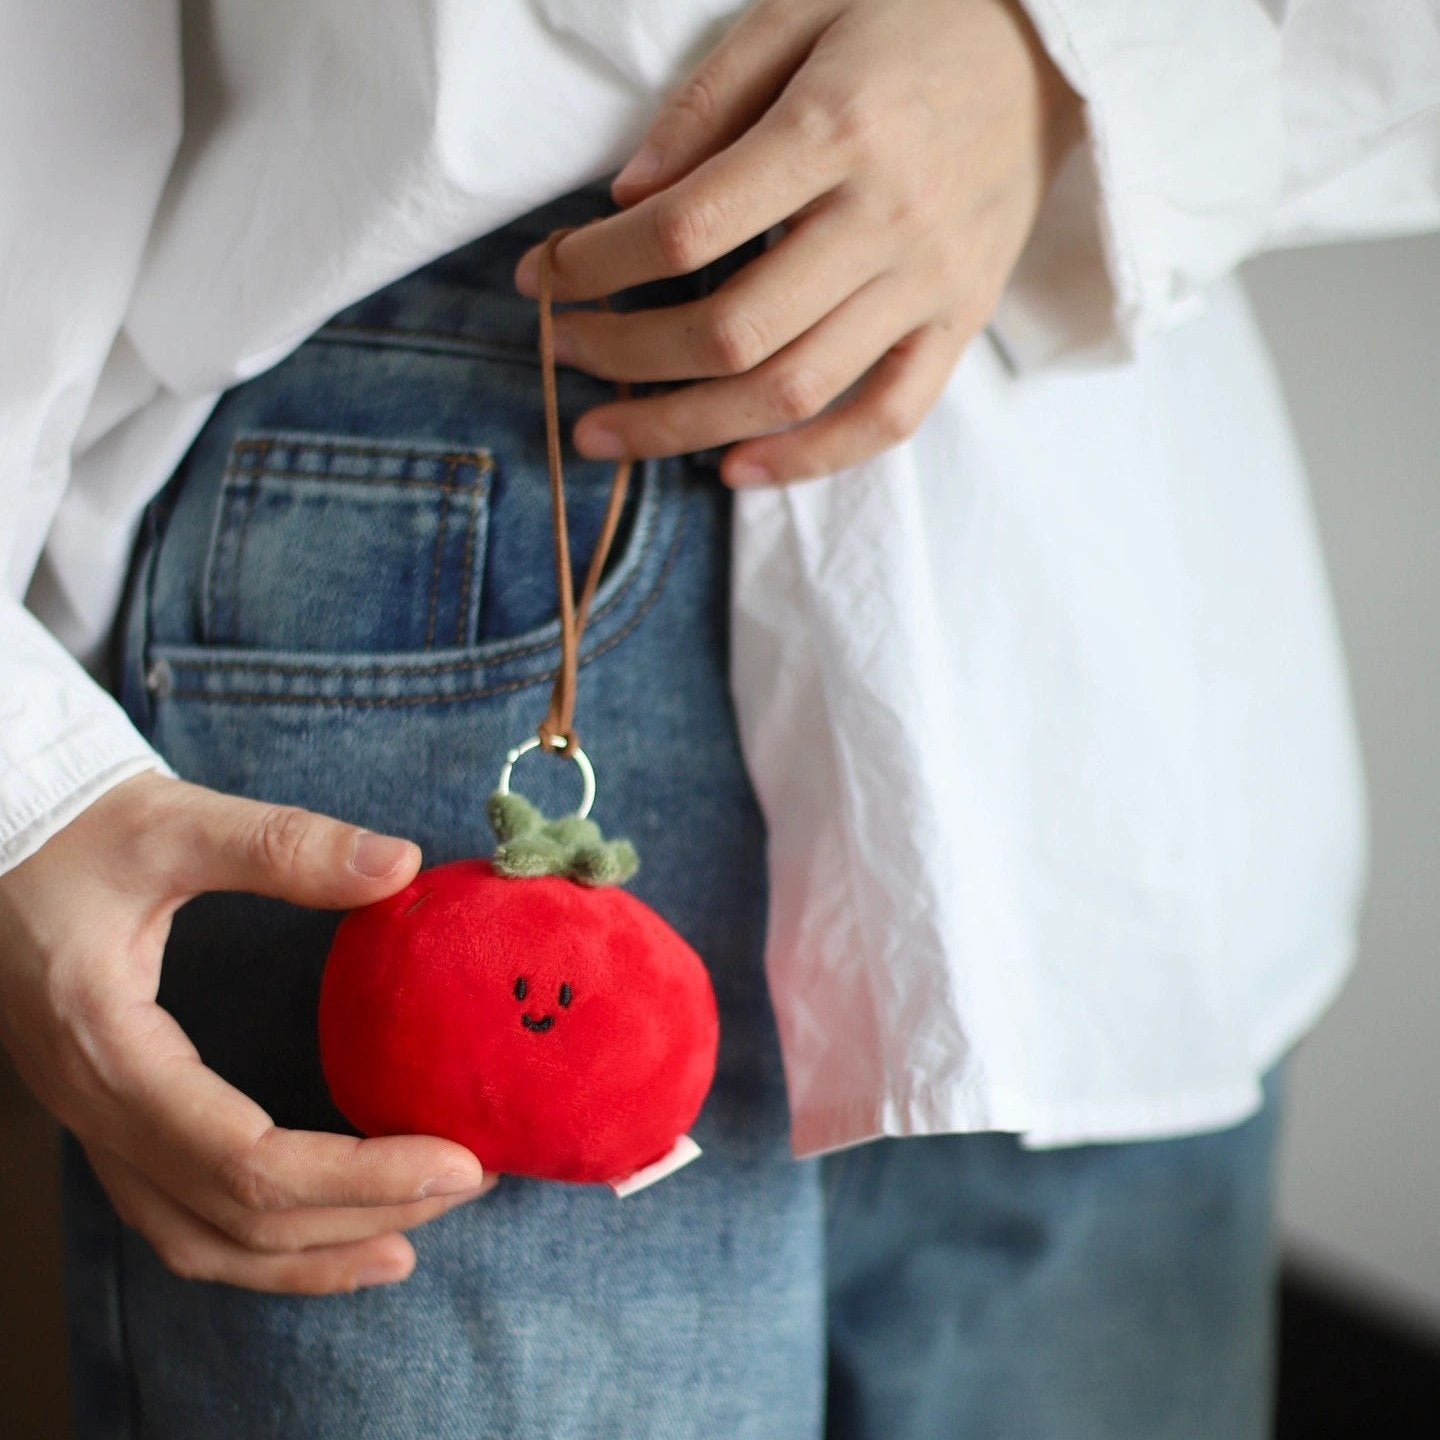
pixel 530 845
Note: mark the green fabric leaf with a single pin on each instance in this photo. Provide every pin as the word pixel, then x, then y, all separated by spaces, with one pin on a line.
pixel 530 845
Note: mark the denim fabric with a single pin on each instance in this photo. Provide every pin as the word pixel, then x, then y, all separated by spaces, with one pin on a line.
pixel 344 599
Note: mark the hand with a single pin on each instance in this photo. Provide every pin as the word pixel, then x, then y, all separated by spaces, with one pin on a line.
pixel 201 1171
pixel 904 146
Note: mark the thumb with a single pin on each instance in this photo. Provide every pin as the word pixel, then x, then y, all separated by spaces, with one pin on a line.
pixel 230 843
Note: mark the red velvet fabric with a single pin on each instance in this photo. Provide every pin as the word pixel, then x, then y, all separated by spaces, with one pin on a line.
pixel 421 1030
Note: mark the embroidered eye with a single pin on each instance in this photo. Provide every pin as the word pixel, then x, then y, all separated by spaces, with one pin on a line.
pixel 566 993
pixel 521 988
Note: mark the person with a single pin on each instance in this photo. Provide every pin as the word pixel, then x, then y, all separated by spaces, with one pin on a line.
pixel 1004 775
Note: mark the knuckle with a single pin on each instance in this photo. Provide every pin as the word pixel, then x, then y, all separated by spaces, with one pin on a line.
pixel 697 101
pixel 894 418
pixel 280 836
pixel 858 124
pixel 246 1181
pixel 733 342
pixel 828 121
pixel 798 394
pixel 812 119
pixel 683 228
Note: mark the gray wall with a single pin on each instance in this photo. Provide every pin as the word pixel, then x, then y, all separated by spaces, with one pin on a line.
pixel 1355 331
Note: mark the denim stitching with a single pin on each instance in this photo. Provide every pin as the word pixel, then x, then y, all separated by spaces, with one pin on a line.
pixel 482 458
pixel 451 461
pixel 435 569
pixel 252 500
pixel 138 610
pixel 388 702
pixel 502 349
pixel 211 587
pixel 231 473
pixel 446 667
pixel 467 573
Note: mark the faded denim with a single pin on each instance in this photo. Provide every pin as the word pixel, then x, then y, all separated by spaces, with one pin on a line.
pixel 344 599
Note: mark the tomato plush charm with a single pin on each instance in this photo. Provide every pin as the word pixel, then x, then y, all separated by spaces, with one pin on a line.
pixel 525 1007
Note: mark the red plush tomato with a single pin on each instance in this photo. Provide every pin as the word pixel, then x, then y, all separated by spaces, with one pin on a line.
pixel 559 1030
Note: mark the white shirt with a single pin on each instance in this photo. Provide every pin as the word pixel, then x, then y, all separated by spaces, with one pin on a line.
pixel 1045 708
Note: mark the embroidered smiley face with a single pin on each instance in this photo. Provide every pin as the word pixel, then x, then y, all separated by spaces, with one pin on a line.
pixel 545 1022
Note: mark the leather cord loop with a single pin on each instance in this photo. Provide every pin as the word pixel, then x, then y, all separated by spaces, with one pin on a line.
pixel 557 730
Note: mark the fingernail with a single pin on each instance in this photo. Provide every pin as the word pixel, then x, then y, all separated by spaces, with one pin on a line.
pixel 386 1274
pixel 599 443
pixel 453 1182
pixel 746 472
pixel 644 165
pixel 527 273
pixel 376 855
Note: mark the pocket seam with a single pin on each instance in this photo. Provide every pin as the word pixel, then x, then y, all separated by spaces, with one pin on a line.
pixel 480 456
pixel 341 664
pixel 428 697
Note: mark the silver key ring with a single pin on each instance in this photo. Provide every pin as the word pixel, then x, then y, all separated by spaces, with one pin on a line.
pixel 574 752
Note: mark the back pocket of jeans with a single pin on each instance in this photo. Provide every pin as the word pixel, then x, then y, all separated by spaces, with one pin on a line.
pixel 332 545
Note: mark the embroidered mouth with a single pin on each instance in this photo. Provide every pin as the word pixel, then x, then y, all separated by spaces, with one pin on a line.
pixel 538 1026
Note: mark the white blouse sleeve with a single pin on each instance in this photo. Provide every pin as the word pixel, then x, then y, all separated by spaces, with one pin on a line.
pixel 90 117
pixel 1218 129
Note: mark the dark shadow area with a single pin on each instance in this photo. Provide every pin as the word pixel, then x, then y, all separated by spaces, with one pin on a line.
pixel 34 1392
pixel 1351 1370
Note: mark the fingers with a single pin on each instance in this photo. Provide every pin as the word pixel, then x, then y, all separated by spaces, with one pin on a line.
pixel 221 1156
pixel 790 388
pixel 723 96
pixel 886 409
pixel 303 1167
pixel 195 1250
pixel 305 1226
pixel 757 311
pixel 211 841
pixel 763 178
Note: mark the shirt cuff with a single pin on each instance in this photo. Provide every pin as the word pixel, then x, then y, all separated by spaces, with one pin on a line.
pixel 1169 191
pixel 63 740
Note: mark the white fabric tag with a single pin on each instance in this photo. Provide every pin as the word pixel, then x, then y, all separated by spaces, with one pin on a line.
pixel 684 1151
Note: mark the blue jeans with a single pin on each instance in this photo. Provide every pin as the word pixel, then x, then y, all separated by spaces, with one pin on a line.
pixel 344 599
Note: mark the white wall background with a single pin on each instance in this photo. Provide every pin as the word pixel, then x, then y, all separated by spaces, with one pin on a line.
pixel 1355 331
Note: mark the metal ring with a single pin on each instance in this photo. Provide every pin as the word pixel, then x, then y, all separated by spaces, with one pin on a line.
pixel 574 752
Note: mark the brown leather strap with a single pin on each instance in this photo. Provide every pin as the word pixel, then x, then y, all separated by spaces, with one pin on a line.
pixel 558 727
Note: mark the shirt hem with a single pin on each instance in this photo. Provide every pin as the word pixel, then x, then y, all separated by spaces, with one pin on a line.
pixel 950 1110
